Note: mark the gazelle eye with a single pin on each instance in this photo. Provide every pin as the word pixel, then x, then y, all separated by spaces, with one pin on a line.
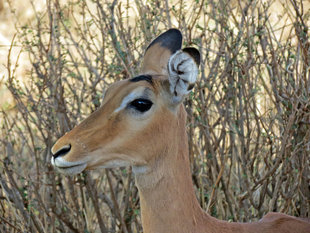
pixel 142 105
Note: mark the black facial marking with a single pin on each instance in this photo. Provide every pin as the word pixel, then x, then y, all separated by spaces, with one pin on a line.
pixel 147 78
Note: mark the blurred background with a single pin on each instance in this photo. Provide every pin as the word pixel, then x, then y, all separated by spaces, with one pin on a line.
pixel 248 116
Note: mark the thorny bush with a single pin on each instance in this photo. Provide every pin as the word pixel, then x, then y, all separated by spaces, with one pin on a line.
pixel 248 116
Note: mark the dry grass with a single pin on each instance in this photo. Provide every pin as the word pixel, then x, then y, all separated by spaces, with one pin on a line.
pixel 248 117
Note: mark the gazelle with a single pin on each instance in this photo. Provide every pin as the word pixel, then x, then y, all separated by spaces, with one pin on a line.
pixel 141 123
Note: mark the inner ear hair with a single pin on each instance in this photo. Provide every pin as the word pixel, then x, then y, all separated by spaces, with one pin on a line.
pixel 183 72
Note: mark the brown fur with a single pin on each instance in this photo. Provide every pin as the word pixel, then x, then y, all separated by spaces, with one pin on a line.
pixel 158 142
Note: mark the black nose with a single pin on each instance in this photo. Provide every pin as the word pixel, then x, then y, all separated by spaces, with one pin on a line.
pixel 62 151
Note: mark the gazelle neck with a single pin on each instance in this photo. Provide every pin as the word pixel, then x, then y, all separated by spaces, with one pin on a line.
pixel 167 197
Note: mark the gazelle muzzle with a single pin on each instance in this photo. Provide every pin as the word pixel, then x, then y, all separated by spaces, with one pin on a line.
pixel 65 166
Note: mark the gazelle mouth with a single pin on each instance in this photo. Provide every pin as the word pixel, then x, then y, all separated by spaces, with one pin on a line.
pixel 66 167
pixel 72 170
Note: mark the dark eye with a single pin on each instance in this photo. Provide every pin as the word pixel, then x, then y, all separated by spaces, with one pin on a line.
pixel 142 105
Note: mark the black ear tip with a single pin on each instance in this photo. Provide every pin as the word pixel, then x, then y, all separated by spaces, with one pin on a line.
pixel 171 39
pixel 194 53
pixel 175 32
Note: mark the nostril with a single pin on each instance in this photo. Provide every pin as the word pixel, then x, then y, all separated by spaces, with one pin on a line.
pixel 62 151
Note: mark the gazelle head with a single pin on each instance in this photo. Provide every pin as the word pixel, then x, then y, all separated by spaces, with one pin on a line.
pixel 137 116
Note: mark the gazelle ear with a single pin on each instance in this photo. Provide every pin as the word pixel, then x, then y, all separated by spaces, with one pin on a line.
pixel 160 50
pixel 182 72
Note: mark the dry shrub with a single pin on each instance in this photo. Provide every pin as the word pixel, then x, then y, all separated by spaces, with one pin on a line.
pixel 248 117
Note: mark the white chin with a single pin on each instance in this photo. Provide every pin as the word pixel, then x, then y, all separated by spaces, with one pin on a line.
pixel 72 170
pixel 68 168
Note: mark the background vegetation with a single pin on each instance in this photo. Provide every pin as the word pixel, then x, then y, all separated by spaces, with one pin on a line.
pixel 248 116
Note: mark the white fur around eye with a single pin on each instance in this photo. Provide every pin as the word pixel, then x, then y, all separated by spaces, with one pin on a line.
pixel 130 97
pixel 125 101
pixel 183 73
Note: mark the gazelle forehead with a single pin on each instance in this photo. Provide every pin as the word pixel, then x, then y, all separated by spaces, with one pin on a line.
pixel 125 86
